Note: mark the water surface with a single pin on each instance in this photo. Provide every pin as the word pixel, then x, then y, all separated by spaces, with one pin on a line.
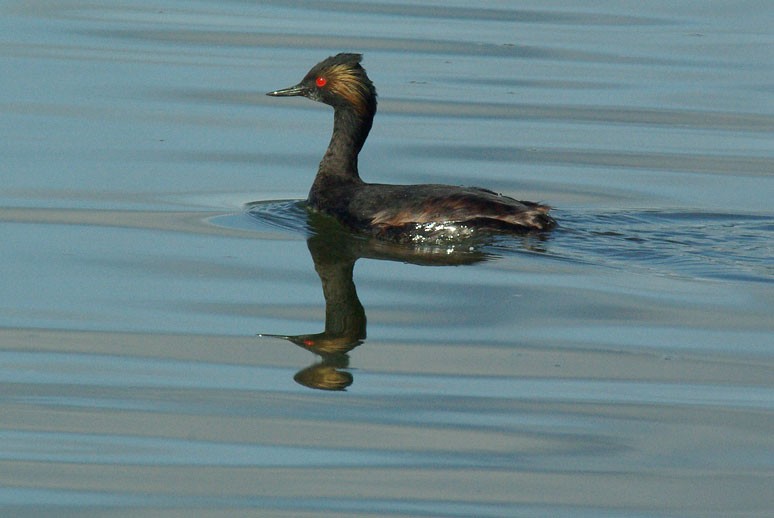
pixel 177 336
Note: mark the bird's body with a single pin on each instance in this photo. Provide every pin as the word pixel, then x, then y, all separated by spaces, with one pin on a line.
pixel 392 211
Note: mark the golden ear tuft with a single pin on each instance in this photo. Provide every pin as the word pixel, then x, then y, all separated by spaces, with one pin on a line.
pixel 350 84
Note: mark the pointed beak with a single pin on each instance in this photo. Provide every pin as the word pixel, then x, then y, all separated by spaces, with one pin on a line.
pixel 299 89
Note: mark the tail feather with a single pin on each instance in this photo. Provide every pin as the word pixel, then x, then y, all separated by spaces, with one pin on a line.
pixel 534 217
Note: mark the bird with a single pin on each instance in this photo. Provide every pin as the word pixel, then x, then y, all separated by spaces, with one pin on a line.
pixel 401 213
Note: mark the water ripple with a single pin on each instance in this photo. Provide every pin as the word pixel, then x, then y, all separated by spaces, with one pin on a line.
pixel 702 245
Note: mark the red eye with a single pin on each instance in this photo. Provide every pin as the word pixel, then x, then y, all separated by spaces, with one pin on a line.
pixel 321 81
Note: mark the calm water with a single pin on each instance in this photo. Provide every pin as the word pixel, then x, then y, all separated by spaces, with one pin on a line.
pixel 170 317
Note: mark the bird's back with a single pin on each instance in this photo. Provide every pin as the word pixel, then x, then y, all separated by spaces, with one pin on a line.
pixel 386 207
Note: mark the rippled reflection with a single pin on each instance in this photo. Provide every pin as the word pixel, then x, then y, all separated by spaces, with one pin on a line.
pixel 334 251
pixel 695 245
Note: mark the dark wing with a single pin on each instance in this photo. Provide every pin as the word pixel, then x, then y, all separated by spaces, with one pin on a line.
pixel 404 205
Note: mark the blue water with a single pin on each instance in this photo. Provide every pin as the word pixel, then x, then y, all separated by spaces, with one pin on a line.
pixel 179 337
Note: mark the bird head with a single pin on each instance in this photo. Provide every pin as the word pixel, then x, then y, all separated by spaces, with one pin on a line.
pixel 338 81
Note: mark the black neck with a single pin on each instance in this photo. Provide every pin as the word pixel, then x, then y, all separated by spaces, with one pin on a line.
pixel 350 130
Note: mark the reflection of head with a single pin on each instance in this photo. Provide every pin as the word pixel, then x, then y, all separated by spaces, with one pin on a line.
pixel 323 376
pixel 334 342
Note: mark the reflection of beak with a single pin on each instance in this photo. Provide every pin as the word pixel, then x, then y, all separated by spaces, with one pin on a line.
pixel 299 89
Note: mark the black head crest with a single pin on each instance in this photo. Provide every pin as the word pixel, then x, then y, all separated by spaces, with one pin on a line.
pixel 341 82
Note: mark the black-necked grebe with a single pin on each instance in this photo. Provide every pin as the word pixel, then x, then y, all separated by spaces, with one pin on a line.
pixel 392 211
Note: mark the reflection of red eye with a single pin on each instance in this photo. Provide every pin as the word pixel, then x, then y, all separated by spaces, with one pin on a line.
pixel 321 81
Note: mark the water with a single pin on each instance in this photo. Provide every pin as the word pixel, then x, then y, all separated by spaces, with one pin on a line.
pixel 174 329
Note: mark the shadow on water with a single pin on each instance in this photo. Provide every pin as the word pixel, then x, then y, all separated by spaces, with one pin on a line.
pixel 334 251
pixel 689 245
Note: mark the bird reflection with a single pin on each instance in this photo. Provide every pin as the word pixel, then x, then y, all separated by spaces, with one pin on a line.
pixel 334 251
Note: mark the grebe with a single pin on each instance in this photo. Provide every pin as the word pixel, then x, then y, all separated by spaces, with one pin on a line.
pixel 396 212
